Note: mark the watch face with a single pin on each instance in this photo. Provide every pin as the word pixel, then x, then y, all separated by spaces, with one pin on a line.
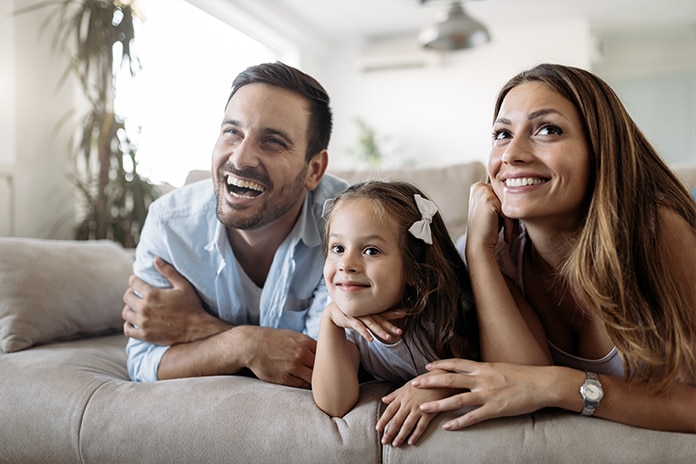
pixel 592 392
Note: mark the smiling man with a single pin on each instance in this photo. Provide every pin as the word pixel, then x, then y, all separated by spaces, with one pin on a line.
pixel 228 273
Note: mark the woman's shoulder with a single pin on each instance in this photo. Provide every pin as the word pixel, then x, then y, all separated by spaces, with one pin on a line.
pixel 676 241
pixel 674 230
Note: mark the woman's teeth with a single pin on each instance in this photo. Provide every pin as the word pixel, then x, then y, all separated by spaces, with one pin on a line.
pixel 523 181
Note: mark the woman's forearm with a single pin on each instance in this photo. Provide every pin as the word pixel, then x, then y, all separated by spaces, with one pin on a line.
pixel 506 333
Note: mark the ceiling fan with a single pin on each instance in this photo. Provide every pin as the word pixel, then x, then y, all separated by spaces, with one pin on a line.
pixel 454 30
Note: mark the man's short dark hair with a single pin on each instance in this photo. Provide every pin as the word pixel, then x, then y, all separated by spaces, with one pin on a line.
pixel 281 75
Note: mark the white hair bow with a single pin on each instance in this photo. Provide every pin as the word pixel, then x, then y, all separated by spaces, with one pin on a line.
pixel 421 229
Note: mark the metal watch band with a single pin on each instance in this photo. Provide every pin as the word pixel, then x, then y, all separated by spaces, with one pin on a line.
pixel 590 404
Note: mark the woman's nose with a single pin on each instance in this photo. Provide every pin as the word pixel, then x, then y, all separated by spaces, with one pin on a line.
pixel 518 150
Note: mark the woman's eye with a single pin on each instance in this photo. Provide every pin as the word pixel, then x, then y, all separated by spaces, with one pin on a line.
pixel 550 129
pixel 371 251
pixel 500 134
pixel 336 249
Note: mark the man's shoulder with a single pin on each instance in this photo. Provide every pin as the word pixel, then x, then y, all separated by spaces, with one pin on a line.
pixel 192 198
pixel 329 187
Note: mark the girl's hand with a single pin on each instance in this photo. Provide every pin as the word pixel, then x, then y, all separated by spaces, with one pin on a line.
pixel 403 419
pixel 495 389
pixel 379 324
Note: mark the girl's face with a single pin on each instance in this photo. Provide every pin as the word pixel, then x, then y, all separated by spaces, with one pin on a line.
pixel 364 268
pixel 540 161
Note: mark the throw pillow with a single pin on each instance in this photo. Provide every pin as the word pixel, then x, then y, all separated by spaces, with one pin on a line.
pixel 56 289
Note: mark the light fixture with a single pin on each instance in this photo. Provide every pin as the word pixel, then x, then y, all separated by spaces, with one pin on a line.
pixel 455 30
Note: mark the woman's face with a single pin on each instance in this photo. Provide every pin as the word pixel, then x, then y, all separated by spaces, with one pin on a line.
pixel 540 161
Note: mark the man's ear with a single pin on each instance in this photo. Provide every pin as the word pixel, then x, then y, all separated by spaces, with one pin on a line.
pixel 317 168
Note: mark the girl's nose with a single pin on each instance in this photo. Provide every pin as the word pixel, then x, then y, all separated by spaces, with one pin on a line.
pixel 348 263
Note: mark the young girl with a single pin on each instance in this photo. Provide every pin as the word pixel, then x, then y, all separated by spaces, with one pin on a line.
pixel 389 258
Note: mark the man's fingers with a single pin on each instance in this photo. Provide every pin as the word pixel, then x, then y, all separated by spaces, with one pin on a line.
pixel 170 273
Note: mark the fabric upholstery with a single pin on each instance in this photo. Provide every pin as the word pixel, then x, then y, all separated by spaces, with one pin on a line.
pixel 55 289
pixel 71 401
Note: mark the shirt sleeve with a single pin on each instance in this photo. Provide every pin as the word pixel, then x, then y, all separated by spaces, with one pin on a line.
pixel 144 358
pixel 316 308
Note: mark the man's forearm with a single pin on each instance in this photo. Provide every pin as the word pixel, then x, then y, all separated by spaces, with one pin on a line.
pixel 218 354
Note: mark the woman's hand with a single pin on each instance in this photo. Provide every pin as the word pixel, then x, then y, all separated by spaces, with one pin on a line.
pixel 403 419
pixel 379 324
pixel 486 218
pixel 494 389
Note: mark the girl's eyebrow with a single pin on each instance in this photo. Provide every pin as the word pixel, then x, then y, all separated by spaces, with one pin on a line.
pixel 364 238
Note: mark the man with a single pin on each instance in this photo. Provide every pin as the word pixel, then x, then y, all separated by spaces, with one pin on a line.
pixel 249 243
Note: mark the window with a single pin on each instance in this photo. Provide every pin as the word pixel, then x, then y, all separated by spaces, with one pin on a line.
pixel 189 60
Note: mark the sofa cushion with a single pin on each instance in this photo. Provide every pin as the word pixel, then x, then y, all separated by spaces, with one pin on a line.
pixel 55 289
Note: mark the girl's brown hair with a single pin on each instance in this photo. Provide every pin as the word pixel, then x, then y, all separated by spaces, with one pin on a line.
pixel 437 299
pixel 615 270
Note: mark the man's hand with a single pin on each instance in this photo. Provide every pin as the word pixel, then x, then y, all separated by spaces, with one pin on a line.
pixel 278 356
pixel 166 316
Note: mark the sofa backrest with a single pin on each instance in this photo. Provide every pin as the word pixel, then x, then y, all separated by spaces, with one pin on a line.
pixel 447 186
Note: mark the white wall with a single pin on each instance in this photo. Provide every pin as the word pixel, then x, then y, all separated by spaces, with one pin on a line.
pixel 434 115
pixel 33 149
pixel 441 113
pixel 655 75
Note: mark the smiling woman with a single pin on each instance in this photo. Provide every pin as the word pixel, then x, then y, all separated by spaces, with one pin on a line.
pixel 189 60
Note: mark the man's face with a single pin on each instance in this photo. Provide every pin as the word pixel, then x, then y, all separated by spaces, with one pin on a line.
pixel 259 169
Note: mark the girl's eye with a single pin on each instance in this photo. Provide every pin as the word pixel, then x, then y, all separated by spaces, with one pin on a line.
pixel 336 249
pixel 550 129
pixel 371 251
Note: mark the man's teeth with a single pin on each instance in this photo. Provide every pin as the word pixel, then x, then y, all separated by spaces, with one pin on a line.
pixel 523 181
pixel 244 184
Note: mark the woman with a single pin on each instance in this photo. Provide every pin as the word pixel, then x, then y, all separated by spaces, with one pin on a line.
pixel 598 237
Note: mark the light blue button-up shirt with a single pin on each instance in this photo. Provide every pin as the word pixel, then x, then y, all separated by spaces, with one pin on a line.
pixel 182 228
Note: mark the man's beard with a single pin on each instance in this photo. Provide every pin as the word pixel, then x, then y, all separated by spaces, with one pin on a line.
pixel 273 207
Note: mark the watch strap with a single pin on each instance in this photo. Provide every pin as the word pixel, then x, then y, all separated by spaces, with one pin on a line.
pixel 590 405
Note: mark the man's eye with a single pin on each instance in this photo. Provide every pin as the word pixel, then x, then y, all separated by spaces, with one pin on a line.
pixel 276 141
pixel 371 251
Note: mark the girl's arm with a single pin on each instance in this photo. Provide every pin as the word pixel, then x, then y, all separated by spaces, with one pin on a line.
pixel 509 329
pixel 335 385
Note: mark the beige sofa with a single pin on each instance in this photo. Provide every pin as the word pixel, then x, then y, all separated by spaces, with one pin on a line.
pixel 66 397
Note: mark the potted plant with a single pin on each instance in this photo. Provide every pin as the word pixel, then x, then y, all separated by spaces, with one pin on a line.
pixel 95 35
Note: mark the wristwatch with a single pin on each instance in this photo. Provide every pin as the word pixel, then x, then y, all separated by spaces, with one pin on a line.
pixel 592 393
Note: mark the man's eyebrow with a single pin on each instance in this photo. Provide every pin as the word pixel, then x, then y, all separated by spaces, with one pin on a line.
pixel 267 130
